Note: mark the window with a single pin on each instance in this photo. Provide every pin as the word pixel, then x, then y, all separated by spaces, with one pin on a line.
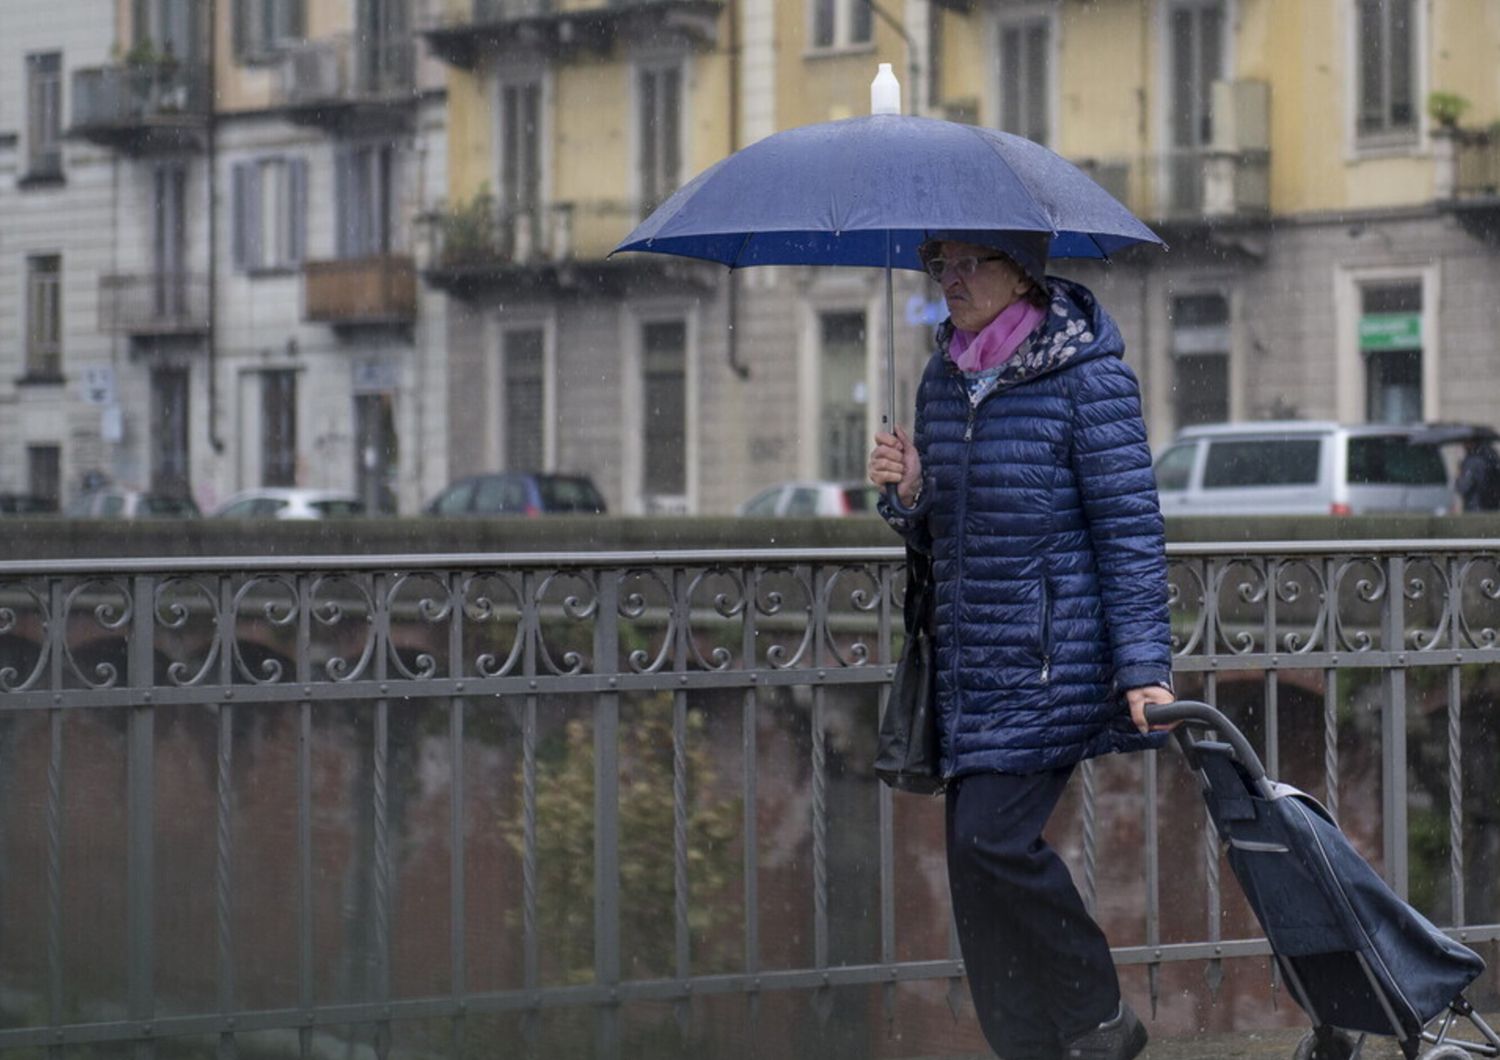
pixel 44 316
pixel 842 390
pixel 169 242
pixel 44 115
pixel 500 496
pixel 376 450
pixel 520 164
pixel 841 23
pixel 1175 468
pixel 1200 359
pixel 664 367
pixel 1390 340
pixel 270 213
pixel 1262 462
pixel 764 504
pixel 1385 43
pixel 44 474
pixel 263 26
pixel 1196 57
pixel 563 494
pixel 525 384
pixel 278 428
pixel 455 500
pixel 1391 460
pixel 364 178
pixel 659 99
pixel 173 27
pixel 1025 78
pixel 169 438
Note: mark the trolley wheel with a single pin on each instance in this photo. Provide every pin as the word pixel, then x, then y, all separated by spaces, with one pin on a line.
pixel 1447 1052
pixel 1328 1044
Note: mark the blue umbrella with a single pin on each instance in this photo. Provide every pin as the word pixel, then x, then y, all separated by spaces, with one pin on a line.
pixel 868 191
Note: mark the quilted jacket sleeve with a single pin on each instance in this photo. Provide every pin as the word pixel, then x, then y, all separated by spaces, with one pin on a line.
pixel 1112 466
pixel 914 531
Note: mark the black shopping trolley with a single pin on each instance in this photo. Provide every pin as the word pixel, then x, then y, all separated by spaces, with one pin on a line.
pixel 1356 957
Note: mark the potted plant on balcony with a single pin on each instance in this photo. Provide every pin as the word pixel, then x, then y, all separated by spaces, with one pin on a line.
pixel 1449 138
pixel 468 233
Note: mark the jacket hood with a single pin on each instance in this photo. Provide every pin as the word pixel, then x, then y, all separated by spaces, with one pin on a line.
pixel 1076 328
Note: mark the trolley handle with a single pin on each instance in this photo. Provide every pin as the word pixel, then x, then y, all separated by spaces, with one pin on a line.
pixel 1202 716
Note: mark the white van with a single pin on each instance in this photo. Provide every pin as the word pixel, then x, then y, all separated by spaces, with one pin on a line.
pixel 1301 468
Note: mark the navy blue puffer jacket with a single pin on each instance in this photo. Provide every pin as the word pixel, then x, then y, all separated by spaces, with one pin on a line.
pixel 1048 548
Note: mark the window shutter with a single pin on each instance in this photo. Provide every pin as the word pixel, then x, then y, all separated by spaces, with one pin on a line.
pixel 297 209
pixel 239 203
pixel 246 195
pixel 345 211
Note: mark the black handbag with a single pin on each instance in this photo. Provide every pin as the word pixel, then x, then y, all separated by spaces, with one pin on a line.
pixel 907 755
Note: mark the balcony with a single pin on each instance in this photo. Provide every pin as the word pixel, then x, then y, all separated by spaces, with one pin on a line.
pixel 461 32
pixel 142 106
pixel 153 304
pixel 1467 179
pixel 376 290
pixel 340 82
pixel 478 245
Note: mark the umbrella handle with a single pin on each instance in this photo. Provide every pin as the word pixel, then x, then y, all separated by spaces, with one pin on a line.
pixel 916 511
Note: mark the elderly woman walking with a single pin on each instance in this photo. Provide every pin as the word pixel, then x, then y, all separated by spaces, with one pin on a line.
pixel 1050 621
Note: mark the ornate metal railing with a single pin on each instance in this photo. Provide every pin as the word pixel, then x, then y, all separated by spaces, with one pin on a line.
pixel 443 802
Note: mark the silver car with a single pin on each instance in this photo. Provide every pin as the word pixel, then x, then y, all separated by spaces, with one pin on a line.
pixel 1301 468
pixel 278 502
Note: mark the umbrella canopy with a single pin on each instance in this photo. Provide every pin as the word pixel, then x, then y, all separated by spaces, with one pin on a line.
pixel 869 190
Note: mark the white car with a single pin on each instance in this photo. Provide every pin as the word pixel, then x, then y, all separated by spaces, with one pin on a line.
pixel 273 502
pixel 1302 467
pixel 813 498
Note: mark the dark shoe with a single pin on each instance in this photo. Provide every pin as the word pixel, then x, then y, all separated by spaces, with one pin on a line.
pixel 1120 1038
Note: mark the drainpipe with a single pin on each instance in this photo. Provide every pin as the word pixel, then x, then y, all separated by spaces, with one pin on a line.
pixel 210 145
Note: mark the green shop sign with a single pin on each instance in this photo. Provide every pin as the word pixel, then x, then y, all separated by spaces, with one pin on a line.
pixel 1390 331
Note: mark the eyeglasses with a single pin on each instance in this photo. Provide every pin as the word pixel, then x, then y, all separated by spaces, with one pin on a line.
pixel 965 266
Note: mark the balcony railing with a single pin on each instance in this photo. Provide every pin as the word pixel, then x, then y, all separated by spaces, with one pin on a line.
pixel 1477 165
pixel 153 303
pixel 329 72
pixel 374 290
pixel 1198 185
pixel 581 802
pixel 459 31
pixel 480 234
pixel 140 101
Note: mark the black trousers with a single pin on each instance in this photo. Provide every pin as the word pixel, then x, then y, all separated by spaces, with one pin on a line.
pixel 1039 968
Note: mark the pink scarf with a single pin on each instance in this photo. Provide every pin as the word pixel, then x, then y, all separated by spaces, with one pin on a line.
pixel 1001 337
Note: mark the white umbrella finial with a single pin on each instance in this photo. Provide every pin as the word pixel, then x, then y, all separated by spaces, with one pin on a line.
pixel 885 92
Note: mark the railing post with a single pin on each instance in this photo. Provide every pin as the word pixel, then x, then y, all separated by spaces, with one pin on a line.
pixel 607 815
pixel 140 798
pixel 1393 728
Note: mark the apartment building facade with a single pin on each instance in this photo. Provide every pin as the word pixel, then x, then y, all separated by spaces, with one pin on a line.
pixel 365 243
pixel 1323 172
pixel 217 269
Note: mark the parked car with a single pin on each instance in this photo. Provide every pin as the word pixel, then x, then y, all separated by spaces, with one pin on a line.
pixel 1301 468
pixel 276 502
pixel 26 504
pixel 111 502
pixel 813 498
pixel 519 493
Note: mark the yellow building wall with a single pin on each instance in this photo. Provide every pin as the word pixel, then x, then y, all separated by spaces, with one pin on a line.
pixel 1106 93
pixel 827 86
pixel 1111 63
pixel 470 140
pixel 243 87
